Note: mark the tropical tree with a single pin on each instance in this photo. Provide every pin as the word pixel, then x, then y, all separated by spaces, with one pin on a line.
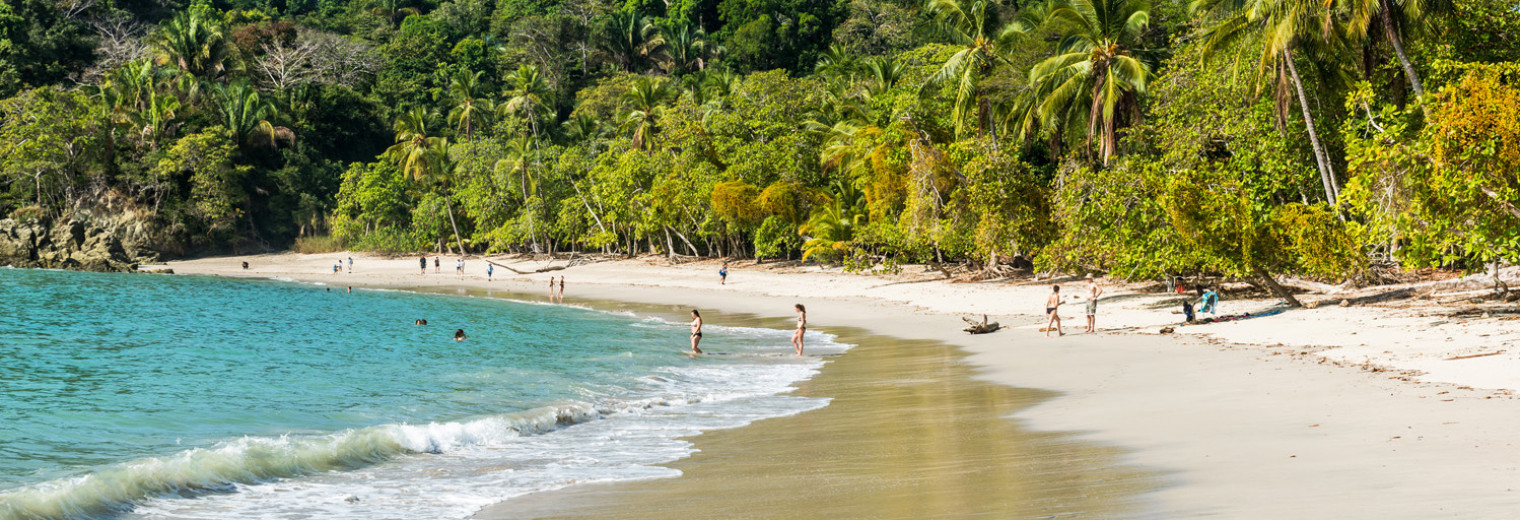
pixel 394 11
pixel 195 43
pixel 526 94
pixel 630 39
pixel 521 158
pixel 975 27
pixel 1396 19
pixel 643 99
pixel 686 50
pixel 831 227
pixel 468 106
pixel 1277 29
pixel 883 74
pixel 246 113
pixel 421 155
pixel 1096 71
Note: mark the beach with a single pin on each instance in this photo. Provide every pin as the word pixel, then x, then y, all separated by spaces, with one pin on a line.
pixel 1315 413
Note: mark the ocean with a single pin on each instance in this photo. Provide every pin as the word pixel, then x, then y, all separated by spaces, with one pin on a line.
pixel 178 397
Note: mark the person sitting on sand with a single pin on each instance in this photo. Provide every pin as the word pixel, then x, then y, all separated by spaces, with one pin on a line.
pixel 1208 301
pixel 459 335
pixel 245 266
pixel 696 331
pixel 801 327
pixel 1052 310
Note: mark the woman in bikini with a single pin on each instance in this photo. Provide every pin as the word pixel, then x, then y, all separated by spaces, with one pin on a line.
pixel 696 331
pixel 801 328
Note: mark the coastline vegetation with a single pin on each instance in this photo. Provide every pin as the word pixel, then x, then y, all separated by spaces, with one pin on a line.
pixel 1250 138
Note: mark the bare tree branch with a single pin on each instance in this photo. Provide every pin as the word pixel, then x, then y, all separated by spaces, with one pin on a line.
pixel 122 39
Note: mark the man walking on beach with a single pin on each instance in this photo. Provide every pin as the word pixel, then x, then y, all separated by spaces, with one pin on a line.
pixel 422 261
pixel 1052 309
pixel 1093 292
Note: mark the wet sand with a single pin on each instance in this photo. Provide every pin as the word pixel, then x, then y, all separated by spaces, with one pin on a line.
pixel 909 433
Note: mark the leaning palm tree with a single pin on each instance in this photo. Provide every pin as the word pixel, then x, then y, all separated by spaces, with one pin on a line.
pixel 630 39
pixel 643 99
pixel 421 155
pixel 1396 19
pixel 1277 29
pixel 527 94
pixel 1096 71
pixel 984 42
pixel 195 43
pixel 469 106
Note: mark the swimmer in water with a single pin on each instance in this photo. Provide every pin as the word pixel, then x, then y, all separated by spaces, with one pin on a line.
pixel 422 322
pixel 696 331
pixel 459 335
pixel 801 327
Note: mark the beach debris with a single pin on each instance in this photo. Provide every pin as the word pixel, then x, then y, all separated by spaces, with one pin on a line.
pixel 539 270
pixel 1470 356
pixel 1345 303
pixel 1168 330
pixel 981 328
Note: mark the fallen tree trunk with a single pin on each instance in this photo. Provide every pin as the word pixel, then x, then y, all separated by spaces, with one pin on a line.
pixel 981 328
pixel 539 270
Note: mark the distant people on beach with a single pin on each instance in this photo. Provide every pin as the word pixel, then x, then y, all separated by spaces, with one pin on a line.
pixel 562 289
pixel 551 289
pixel 437 264
pixel 490 270
pixel 723 274
pixel 801 327
pixel 459 266
pixel 245 266
pixel 696 331
pixel 1187 311
pixel 338 267
pixel 422 263
pixel 350 265
pixel 1093 292
pixel 1052 311
pixel 459 335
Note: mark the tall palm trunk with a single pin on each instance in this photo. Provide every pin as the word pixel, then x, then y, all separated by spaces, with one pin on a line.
pixel 450 206
pixel 1326 170
pixel 1398 48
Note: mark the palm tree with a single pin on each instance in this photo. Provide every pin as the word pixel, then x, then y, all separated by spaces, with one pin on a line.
pixel 686 50
pixel 469 107
pixel 1395 18
pixel 582 127
pixel 643 98
pixel 1277 28
pixel 394 11
pixel 424 156
pixel 246 113
pixel 883 74
pixel 1095 71
pixel 630 39
pixel 836 60
pixel 521 157
pixel 831 228
pixel 526 92
pixel 194 43
pixel 983 43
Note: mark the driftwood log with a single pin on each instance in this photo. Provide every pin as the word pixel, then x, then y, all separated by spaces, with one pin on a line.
pixel 981 328
pixel 539 270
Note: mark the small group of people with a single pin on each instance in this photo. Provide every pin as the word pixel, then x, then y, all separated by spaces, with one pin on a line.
pixel 1208 300
pixel 557 293
pixel 797 335
pixel 437 264
pixel 458 333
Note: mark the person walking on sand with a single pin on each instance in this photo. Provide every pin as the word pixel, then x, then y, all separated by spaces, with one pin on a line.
pixel 1093 292
pixel 350 265
pixel 1053 309
pixel 422 262
pixel 723 274
pixel 696 331
pixel 490 269
pixel 801 327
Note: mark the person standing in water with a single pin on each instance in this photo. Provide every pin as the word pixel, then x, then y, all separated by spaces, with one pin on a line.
pixel 1093 292
pixel 696 331
pixel 801 328
pixel 459 335
pixel 562 289
pixel 551 288
pixel 1052 309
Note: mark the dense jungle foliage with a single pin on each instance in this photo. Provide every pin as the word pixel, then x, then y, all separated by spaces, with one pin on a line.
pixel 1240 137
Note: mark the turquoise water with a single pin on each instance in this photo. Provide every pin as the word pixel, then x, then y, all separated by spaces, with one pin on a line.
pixel 165 397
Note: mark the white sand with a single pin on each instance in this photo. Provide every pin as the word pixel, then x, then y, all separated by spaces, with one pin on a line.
pixel 1247 431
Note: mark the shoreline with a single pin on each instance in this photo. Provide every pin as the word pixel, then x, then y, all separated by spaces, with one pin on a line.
pixel 1245 431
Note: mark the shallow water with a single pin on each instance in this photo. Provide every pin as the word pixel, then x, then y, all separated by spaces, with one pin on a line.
pixel 135 396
